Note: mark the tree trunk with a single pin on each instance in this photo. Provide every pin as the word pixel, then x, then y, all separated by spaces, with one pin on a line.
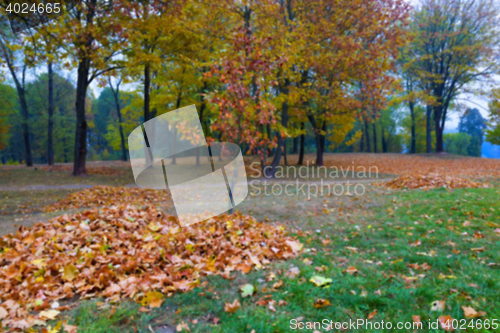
pixel 428 129
pixel 302 144
pixel 202 109
pixel 147 84
pixel 116 94
pixel 284 152
pixel 81 122
pixel 50 145
pixel 26 133
pixel 319 140
pixel 384 142
pixel 438 109
pixel 362 141
pixel 177 105
pixel 322 140
pixel 281 139
pixel 413 145
pixel 367 136
pixel 375 148
pixel 21 92
pixel 295 149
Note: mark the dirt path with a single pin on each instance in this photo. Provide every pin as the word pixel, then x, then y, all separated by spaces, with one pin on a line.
pixel 259 181
pixel 52 187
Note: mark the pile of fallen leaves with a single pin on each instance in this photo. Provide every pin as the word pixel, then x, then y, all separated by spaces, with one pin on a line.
pixel 91 170
pixel 125 252
pixel 400 164
pixel 431 181
pixel 109 195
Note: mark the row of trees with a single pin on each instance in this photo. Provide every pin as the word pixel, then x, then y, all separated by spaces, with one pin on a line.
pixel 260 71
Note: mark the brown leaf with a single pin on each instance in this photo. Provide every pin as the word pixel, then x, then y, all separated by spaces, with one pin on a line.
pixel 3 313
pixel 232 307
pixel 351 270
pixel 469 312
pixel 446 323
pixel 321 303
pixel 372 314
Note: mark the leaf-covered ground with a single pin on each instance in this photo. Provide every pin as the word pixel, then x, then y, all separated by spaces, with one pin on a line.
pixel 400 254
pixel 430 181
pixel 413 255
pixel 125 252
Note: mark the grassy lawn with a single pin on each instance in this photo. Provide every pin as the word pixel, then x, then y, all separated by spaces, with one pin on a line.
pixel 32 177
pixel 390 257
pixel 24 207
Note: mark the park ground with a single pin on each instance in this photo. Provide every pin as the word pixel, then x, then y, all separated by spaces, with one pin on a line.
pixel 400 254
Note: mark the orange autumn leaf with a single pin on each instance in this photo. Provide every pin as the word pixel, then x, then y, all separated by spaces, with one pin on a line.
pixel 372 314
pixel 232 307
pixel 351 270
pixel 446 323
pixel 321 303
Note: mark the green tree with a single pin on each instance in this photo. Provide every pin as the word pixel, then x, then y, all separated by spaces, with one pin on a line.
pixel 473 124
pixel 63 117
pixel 493 132
pixel 8 106
pixel 457 143
pixel 455 43
pixel 11 55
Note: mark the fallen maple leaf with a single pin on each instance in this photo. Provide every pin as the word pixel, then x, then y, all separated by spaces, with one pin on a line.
pixel 372 314
pixel 321 303
pixel 3 313
pixel 278 284
pixel 425 266
pixel 446 323
pixel 247 290
pixel 469 312
pixel 70 328
pixel 320 281
pixel 232 307
pixel 49 314
pixel 153 298
pixel 416 243
pixel 182 326
pixel 70 273
pixel 438 305
pixel 351 270
pixel 293 272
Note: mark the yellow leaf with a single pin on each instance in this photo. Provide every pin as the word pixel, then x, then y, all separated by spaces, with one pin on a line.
pixel 320 281
pixel 49 314
pixel 153 298
pixel 70 273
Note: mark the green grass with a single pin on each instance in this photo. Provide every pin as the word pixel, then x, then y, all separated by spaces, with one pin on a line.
pixel 382 234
